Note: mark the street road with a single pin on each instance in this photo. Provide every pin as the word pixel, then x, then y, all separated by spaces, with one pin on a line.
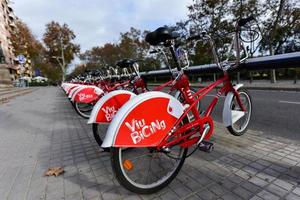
pixel 274 112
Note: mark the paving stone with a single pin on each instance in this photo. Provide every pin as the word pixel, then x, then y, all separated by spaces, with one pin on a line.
pixel 267 195
pixel 258 181
pixel 170 195
pixel 297 191
pixel 265 177
pixel 206 195
pixel 243 193
pixel 217 189
pixel 283 184
pixel 289 161
pixel 271 172
pixel 243 174
pixel 110 195
pixel 250 170
pixel 256 198
pixel 229 185
pixel 180 189
pixel 230 196
pixel 278 168
pixel 91 192
pixel 257 165
pixel 292 196
pixel 192 197
pixel 236 179
pixel 276 190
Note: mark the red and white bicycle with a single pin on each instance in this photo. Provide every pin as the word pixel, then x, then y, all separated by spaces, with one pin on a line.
pixel 150 135
pixel 108 105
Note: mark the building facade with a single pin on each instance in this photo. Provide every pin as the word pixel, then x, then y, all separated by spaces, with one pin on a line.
pixel 8 62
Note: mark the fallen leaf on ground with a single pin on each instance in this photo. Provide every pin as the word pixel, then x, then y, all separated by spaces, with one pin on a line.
pixel 54 171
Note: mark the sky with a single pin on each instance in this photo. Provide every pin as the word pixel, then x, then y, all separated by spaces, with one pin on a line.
pixel 96 22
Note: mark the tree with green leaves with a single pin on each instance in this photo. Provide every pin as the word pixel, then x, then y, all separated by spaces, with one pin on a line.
pixel 131 45
pixel 211 16
pixel 279 20
pixel 60 46
pixel 24 42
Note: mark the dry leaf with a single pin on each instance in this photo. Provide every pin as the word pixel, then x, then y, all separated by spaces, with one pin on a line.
pixel 54 171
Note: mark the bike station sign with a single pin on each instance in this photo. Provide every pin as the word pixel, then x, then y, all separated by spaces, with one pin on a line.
pixel 21 58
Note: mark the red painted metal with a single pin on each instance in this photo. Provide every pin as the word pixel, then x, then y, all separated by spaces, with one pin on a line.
pixel 186 135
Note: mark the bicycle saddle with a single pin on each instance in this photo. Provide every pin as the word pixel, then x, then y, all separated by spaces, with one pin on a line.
pixel 161 35
pixel 125 63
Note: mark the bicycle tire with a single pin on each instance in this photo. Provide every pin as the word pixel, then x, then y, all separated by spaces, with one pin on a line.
pixel 244 127
pixel 122 174
pixel 97 136
pixel 82 113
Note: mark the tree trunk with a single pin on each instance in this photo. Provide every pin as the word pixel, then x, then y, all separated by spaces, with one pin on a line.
pixel 63 62
pixel 63 69
pixel 295 77
pixel 273 72
pixel 273 76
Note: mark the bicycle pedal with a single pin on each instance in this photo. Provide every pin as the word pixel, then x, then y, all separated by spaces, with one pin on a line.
pixel 206 146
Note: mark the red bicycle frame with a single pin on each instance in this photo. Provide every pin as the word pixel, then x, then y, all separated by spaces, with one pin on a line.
pixel 183 135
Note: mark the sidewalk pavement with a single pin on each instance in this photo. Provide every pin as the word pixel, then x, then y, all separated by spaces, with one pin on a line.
pixel 41 130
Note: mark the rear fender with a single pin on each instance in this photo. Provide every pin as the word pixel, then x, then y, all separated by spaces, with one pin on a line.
pixel 87 94
pixel 143 121
pixel 68 88
pixel 106 108
pixel 227 114
pixel 64 85
pixel 74 89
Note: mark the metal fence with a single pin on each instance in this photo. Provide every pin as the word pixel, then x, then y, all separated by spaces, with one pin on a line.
pixel 288 60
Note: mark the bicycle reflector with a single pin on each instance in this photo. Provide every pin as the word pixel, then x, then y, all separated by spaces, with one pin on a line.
pixel 127 164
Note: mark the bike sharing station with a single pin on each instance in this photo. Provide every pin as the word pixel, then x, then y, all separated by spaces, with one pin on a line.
pixel 151 135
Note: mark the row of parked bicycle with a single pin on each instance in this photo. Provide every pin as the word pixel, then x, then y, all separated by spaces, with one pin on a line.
pixel 150 132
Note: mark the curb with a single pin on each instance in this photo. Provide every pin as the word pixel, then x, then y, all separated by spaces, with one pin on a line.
pixel 5 99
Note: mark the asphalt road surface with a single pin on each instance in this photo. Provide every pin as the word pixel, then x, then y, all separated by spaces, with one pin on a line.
pixel 274 112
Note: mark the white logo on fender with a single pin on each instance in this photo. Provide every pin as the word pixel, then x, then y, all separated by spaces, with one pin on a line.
pixel 109 112
pixel 140 130
pixel 83 96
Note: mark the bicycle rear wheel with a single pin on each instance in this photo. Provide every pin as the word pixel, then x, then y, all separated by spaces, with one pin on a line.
pixel 83 109
pixel 99 132
pixel 146 170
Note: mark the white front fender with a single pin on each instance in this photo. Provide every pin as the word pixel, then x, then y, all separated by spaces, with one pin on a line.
pixel 228 116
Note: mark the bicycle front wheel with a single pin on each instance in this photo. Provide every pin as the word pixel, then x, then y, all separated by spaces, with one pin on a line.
pixel 240 125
